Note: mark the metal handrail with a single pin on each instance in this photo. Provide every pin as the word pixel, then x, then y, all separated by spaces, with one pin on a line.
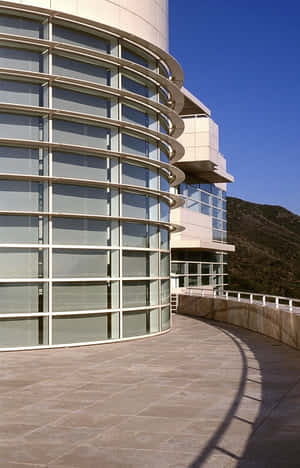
pixel 292 304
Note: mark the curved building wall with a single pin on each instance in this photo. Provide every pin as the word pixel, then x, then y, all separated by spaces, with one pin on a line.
pixel 144 18
pixel 86 138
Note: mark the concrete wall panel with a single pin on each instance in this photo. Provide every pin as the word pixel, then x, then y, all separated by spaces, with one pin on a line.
pixel 278 324
pixel 145 18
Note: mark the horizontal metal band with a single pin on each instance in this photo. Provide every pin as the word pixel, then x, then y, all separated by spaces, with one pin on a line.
pixel 150 48
pixel 169 226
pixel 127 65
pixel 178 174
pixel 178 149
pixel 174 200
pixel 177 122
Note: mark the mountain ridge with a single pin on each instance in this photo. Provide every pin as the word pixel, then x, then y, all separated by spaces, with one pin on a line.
pixel 267 240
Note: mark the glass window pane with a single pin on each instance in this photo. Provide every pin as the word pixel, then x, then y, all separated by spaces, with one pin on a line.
pixel 164 157
pixel 193 192
pixel 18 92
pixel 135 206
pixel 25 298
pixel 20 263
pixel 70 263
pixel 79 199
pixel 80 296
pixel 19 160
pixel 163 99
pixel 80 231
pixel 18 25
pixel 135 293
pixel 154 300
pixel 19 229
pixel 129 114
pixel 135 145
pixel 135 86
pixel 205 280
pixel 205 209
pixel 164 212
pixel 205 197
pixel 80 102
pixel 80 70
pixel 80 38
pixel 154 321
pixel 23 332
pixel 78 166
pixel 177 268
pixel 135 175
pixel 165 318
pixel 136 323
pixel 163 70
pixel 19 126
pixel 135 263
pixel 153 233
pixel 193 268
pixel 81 328
pixel 217 223
pixel 134 57
pixel 165 264
pixel 163 126
pixel 20 59
pixel 135 235
pixel 205 269
pixel 164 184
pixel 217 236
pixel 165 292
pixel 74 133
pixel 164 239
pixel 20 195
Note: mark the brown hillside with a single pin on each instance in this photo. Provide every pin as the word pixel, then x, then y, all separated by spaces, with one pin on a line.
pixel 267 240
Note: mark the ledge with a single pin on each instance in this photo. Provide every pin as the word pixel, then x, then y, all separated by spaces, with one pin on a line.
pixel 197 244
pixel 279 324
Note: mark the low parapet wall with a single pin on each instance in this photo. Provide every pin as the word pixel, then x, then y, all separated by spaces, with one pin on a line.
pixel 280 324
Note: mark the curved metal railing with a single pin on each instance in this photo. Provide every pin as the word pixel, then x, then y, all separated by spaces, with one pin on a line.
pixel 277 302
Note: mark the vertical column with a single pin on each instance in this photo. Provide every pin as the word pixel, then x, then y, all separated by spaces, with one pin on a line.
pixel 50 193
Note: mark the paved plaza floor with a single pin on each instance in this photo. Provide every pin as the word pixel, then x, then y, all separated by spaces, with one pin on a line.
pixel 204 395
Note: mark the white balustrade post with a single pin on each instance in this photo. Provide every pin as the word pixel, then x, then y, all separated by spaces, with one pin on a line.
pixel 251 298
pixel 277 302
pixel 215 293
pixel 239 297
pixel 291 305
pixel 264 300
pixel 226 295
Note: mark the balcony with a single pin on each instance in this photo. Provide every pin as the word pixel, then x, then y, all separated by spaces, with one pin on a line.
pixel 202 160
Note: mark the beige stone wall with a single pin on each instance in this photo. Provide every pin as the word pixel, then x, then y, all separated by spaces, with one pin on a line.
pixel 200 140
pixel 279 324
pixel 147 19
pixel 197 225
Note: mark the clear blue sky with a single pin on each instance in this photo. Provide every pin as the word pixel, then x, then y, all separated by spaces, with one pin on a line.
pixel 242 59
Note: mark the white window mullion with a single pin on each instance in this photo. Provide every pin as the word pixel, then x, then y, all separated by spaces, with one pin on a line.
pixel 120 235
pixel 50 200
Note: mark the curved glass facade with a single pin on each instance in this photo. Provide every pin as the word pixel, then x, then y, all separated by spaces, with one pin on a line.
pixel 209 200
pixel 86 126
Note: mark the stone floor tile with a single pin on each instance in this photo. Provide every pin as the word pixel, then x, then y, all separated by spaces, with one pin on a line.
pixel 204 395
pixel 91 457
pixel 130 439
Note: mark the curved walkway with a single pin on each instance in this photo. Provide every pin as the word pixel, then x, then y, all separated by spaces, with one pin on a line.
pixel 204 395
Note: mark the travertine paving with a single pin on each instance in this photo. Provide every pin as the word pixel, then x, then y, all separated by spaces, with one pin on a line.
pixel 206 394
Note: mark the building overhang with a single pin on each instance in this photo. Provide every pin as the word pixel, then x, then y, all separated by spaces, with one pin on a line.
pixel 204 171
pixel 198 244
pixel 193 105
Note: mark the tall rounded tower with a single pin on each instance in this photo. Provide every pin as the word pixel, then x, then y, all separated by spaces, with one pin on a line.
pixel 89 103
